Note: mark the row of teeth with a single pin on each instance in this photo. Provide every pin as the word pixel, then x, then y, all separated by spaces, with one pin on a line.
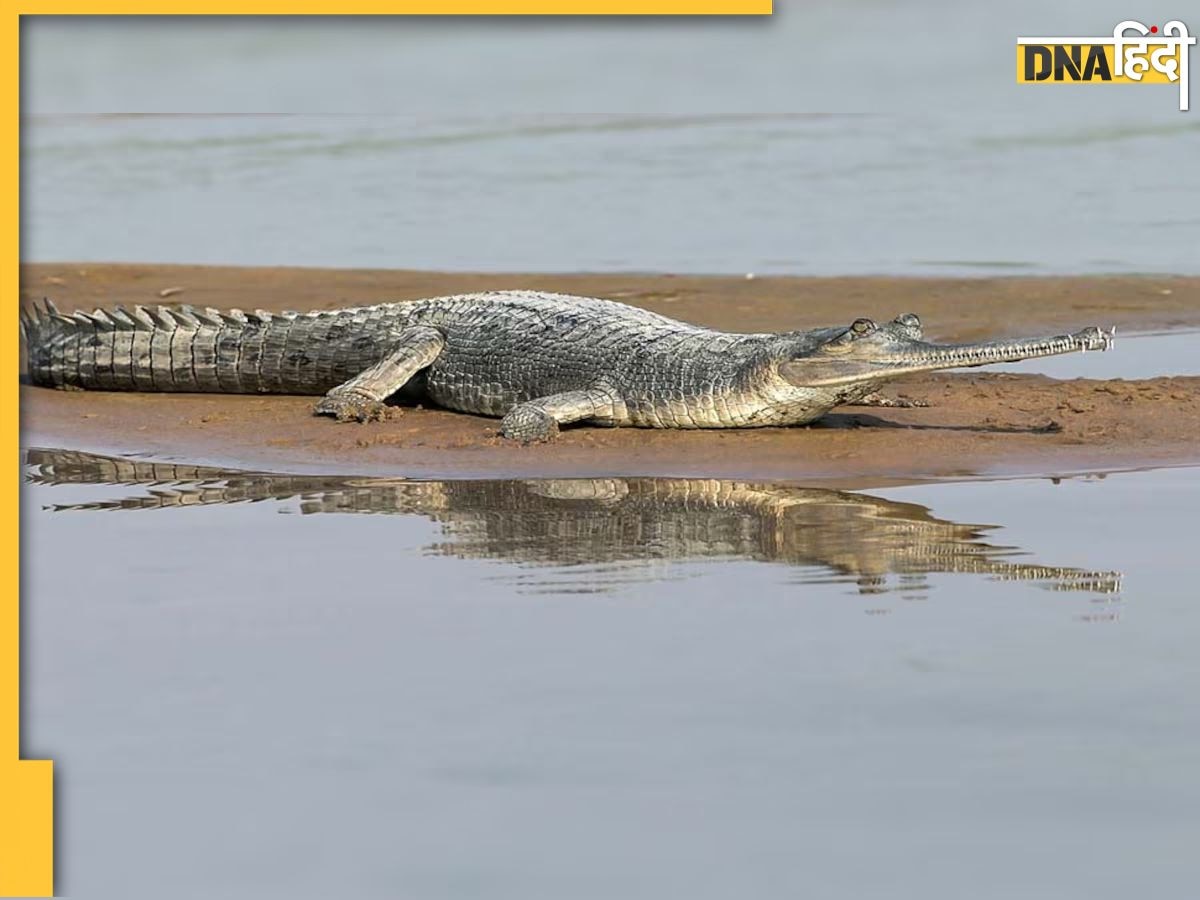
pixel 1000 352
pixel 1108 339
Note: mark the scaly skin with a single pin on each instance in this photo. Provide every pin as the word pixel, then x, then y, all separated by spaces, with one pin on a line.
pixel 539 360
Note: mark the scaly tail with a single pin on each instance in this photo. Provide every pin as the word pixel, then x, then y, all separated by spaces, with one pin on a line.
pixel 159 348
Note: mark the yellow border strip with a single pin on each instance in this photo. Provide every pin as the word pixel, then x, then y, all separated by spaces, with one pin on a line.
pixel 26 786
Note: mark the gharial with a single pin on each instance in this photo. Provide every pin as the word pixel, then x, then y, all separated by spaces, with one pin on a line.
pixel 538 360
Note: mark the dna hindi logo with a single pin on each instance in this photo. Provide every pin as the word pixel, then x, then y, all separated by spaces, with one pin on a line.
pixel 1143 57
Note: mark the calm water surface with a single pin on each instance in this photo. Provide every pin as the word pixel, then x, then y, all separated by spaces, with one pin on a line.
pixel 282 686
pixel 830 139
pixel 768 194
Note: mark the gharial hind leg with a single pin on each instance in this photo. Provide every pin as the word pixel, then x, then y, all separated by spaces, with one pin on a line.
pixel 877 399
pixel 538 420
pixel 361 398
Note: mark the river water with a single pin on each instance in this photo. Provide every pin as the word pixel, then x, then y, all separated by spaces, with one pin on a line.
pixel 728 146
pixel 279 686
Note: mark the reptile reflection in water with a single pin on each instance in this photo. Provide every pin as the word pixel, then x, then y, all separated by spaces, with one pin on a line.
pixel 590 521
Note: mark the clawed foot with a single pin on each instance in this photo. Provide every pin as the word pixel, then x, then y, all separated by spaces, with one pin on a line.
pixel 877 399
pixel 529 425
pixel 353 408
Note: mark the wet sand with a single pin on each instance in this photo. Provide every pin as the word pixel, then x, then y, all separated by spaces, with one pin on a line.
pixel 976 422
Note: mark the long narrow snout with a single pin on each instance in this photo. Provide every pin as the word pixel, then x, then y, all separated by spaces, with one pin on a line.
pixel 920 356
pixel 868 359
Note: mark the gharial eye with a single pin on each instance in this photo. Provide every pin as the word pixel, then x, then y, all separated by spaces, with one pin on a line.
pixel 862 326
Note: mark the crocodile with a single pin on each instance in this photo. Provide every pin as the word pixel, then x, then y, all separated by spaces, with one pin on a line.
pixel 536 360
pixel 875 543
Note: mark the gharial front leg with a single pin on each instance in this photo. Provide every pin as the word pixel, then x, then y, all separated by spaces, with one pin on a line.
pixel 361 398
pixel 538 420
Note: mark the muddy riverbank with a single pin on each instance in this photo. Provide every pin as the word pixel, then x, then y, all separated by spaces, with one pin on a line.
pixel 977 422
